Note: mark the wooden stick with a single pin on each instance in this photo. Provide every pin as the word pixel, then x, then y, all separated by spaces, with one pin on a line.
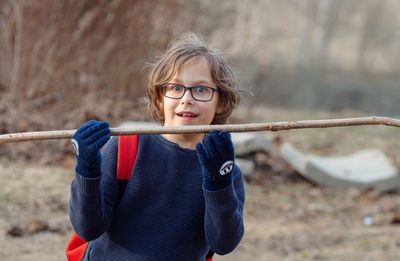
pixel 269 126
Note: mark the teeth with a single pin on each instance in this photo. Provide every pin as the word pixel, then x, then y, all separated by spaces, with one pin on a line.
pixel 187 115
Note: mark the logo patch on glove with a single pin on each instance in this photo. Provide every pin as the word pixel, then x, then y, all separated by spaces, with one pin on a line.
pixel 76 146
pixel 226 167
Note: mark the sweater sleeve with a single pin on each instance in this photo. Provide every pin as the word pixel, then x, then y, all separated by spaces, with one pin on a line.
pixel 224 215
pixel 93 200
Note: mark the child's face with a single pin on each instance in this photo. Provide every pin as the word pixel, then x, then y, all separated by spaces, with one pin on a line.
pixel 187 110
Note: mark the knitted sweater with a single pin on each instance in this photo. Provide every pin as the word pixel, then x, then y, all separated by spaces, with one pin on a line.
pixel 164 212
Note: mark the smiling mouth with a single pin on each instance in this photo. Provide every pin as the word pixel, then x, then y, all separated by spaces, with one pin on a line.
pixel 187 114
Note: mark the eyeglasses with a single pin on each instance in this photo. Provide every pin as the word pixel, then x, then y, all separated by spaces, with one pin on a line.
pixel 199 93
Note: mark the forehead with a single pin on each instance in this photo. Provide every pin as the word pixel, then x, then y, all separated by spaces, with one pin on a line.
pixel 194 70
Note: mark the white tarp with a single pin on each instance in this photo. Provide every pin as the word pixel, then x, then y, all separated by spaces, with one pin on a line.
pixel 362 169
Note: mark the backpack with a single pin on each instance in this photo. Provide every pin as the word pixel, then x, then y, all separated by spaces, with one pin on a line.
pixel 127 150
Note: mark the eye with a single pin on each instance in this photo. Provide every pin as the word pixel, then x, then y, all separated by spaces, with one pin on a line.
pixel 202 89
pixel 176 88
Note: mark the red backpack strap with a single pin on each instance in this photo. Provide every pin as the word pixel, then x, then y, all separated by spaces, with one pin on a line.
pixel 75 248
pixel 127 150
pixel 209 256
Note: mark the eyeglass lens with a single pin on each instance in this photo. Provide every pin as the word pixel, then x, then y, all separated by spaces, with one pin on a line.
pixel 199 93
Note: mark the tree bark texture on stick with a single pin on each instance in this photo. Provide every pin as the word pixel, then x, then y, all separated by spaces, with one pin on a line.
pixel 269 126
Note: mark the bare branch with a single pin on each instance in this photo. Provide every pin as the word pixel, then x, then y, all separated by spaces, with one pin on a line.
pixel 269 126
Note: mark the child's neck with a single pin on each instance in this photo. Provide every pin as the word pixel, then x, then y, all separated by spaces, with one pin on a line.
pixel 186 141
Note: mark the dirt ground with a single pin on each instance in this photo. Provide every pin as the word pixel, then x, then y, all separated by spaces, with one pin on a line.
pixel 286 216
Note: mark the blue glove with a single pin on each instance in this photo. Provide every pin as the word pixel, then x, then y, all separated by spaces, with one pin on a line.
pixel 87 141
pixel 216 155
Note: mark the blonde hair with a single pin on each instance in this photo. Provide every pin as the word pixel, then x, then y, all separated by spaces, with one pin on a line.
pixel 178 53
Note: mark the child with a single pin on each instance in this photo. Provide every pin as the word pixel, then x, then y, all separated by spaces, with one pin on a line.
pixel 185 196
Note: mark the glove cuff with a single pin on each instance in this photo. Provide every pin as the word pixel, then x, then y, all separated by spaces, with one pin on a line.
pixel 88 170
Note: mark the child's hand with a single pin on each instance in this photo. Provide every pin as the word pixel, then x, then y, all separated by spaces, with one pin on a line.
pixel 216 155
pixel 87 141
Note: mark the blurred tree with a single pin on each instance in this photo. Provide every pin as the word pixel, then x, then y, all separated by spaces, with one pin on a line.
pixel 69 56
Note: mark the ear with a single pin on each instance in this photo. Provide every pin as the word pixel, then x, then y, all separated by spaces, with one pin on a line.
pixel 161 107
pixel 220 108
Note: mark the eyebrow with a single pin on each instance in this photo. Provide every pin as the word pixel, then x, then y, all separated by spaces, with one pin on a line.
pixel 195 83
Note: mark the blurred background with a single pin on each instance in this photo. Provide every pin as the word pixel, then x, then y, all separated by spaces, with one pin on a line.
pixel 63 62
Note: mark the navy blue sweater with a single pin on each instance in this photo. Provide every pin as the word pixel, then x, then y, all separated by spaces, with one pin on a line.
pixel 164 214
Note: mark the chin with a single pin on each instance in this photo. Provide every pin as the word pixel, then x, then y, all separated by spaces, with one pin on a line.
pixel 188 124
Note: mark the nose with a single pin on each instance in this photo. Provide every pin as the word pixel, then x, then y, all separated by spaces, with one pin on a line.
pixel 187 98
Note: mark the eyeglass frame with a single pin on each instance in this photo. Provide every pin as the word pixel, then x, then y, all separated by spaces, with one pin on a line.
pixel 190 88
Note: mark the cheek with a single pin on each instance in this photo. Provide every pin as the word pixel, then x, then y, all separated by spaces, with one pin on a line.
pixel 165 105
pixel 168 106
pixel 212 111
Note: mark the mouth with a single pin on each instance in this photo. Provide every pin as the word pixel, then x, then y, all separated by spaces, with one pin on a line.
pixel 187 114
